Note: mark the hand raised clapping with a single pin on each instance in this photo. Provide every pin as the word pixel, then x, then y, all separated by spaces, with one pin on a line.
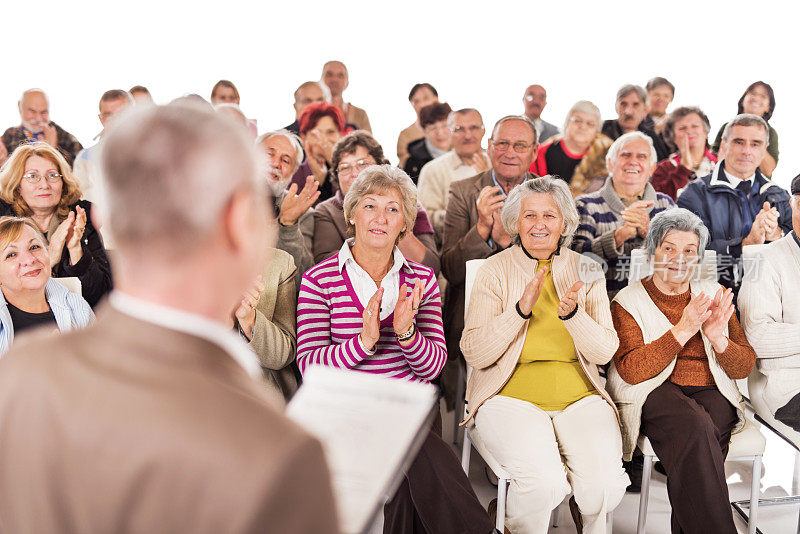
pixel 569 301
pixel 406 309
pixel 69 233
pixel 245 312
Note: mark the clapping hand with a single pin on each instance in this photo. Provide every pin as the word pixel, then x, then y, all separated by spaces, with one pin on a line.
pixel 721 309
pixel 636 215
pixel 69 233
pixel 694 315
pixel 245 313
pixel 406 309
pixel 295 204
pixel 371 329
pixel 570 300
pixel 532 291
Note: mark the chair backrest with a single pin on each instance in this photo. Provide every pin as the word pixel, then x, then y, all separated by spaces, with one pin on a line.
pixel 469 280
pixel 640 266
pixel 72 283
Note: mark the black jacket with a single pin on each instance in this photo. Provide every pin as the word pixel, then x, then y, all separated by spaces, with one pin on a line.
pixel 418 157
pixel 93 269
pixel 612 129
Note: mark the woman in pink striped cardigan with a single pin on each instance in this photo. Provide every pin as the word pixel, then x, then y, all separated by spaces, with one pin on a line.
pixel 369 309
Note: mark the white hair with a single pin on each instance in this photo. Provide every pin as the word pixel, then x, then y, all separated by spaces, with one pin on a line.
pixel 746 119
pixel 584 106
pixel 619 144
pixel 297 145
pixel 556 188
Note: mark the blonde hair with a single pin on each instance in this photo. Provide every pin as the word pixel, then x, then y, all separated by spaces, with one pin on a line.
pixel 11 229
pixel 377 179
pixel 14 168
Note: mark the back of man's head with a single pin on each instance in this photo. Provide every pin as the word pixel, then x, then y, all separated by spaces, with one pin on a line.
pixel 170 173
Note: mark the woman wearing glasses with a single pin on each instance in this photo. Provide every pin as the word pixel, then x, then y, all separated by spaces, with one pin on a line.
pixel 437 140
pixel 37 182
pixel 579 156
pixel 351 155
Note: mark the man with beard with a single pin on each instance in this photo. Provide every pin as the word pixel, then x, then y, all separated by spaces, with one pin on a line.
pixel 292 208
pixel 34 110
pixel 632 116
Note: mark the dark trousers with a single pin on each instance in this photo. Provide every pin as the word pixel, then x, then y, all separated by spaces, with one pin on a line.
pixel 435 496
pixel 789 414
pixel 689 429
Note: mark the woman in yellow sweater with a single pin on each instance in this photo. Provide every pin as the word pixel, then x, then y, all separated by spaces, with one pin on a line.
pixel 538 326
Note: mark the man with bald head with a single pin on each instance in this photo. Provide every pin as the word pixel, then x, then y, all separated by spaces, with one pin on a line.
pixel 534 100
pixel 34 112
pixel 336 79
pixel 156 418
pixel 308 93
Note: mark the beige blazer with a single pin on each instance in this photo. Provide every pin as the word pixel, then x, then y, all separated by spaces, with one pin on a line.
pixel 128 427
pixel 495 333
pixel 274 338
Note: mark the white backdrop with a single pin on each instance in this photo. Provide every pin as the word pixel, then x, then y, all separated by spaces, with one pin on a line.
pixel 476 54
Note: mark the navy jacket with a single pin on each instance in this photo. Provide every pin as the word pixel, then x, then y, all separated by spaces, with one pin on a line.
pixel 719 206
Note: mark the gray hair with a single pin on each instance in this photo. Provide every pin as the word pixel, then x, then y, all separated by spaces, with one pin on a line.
pixel 584 106
pixel 629 88
pixel 556 188
pixel 293 140
pixel 170 171
pixel 377 178
pixel 679 219
pixel 451 119
pixel 522 118
pixel 622 140
pixel 746 119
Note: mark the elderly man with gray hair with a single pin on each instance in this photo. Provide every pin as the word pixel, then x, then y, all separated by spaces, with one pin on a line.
pixel 161 397
pixel 614 220
pixel 737 203
pixel 631 106
pixel 35 125
pixel 293 209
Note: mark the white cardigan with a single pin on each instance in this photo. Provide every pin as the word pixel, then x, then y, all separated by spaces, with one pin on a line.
pixel 630 398
pixel 769 304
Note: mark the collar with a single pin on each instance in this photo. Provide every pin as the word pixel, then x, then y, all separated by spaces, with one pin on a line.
pixel 188 323
pixel 609 194
pixel 494 179
pixel 720 177
pixel 432 150
pixel 556 253
pixel 456 162
pixel 346 255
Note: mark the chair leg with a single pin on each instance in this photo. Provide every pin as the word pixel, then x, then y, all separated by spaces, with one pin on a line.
pixel 465 452
pixel 755 485
pixel 502 487
pixel 645 493
pixel 458 411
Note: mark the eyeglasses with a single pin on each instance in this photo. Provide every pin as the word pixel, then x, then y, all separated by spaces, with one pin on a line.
pixel 462 130
pixel 435 127
pixel 531 98
pixel 580 122
pixel 519 146
pixel 35 177
pixel 358 166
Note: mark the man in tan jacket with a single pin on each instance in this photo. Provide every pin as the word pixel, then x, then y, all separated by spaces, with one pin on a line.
pixel 154 420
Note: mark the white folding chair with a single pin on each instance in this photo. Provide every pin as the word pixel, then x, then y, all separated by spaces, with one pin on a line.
pixel 72 283
pixel 747 444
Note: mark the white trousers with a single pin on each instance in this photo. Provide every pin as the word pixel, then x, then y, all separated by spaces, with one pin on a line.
pixel 550 454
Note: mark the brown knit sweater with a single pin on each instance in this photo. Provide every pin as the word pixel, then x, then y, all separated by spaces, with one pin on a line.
pixel 637 361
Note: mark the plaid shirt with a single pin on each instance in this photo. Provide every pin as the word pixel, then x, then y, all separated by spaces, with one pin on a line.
pixel 68 145
pixel 600 215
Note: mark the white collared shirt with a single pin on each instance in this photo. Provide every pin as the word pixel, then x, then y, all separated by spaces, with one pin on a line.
pixel 363 284
pixel 188 323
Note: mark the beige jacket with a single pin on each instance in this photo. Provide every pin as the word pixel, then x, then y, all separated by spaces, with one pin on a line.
pixel 129 427
pixel 274 336
pixel 494 332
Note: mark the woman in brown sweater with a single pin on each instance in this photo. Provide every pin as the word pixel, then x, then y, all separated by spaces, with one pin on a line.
pixel 351 155
pixel 680 350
